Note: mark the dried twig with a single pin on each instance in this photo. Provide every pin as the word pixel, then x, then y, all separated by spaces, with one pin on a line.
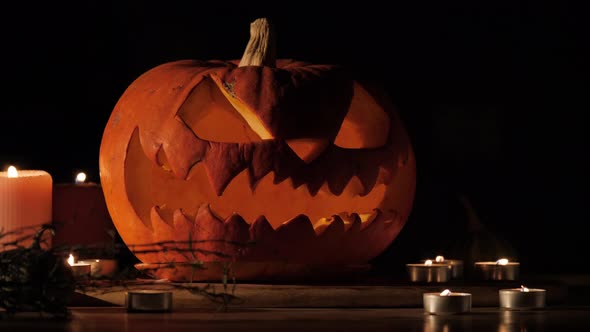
pixel 37 279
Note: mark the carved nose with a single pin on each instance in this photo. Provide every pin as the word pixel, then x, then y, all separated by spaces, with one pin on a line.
pixel 308 149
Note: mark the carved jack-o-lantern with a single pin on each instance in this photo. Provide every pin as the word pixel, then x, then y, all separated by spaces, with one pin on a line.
pixel 308 165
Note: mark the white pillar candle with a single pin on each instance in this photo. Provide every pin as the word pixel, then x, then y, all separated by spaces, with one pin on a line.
pixel 25 201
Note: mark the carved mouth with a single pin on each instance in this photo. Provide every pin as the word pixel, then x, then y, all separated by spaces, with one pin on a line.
pixel 279 199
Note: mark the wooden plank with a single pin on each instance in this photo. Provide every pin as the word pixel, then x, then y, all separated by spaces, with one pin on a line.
pixel 326 296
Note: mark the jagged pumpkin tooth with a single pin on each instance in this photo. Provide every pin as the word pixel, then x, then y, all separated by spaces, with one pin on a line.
pixel 333 229
pixel 160 227
pixel 237 229
pixel 354 223
pixel 278 178
pixel 223 163
pixel 207 225
pixel 340 174
pixel 261 229
pixel 285 163
pixel 313 186
pixel 368 174
pixel 368 219
pixel 182 224
pixel 182 148
pixel 263 241
pixel 299 228
pixel 260 163
pixel 353 188
pixel 162 233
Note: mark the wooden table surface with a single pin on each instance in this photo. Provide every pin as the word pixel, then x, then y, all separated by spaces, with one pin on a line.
pixel 107 319
pixel 392 308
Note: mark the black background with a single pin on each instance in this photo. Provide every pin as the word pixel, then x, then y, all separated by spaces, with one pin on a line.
pixel 493 94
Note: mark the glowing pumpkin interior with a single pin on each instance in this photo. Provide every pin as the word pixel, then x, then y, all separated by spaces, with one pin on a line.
pixel 212 118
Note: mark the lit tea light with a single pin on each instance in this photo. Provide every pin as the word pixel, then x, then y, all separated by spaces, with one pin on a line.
pixel 148 301
pixel 522 298
pixel 446 302
pixel 100 268
pixel 79 269
pixel 429 272
pixel 455 265
pixel 12 172
pixel 80 178
pixel 502 261
pixel 502 269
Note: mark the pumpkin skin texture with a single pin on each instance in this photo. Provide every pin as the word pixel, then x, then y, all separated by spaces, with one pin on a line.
pixel 303 163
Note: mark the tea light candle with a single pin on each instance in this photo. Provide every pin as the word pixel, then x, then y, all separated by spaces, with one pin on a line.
pixel 79 269
pixel 429 272
pixel 446 302
pixel 25 201
pixel 101 267
pixel 148 300
pixel 80 178
pixel 501 269
pixel 522 298
pixel 455 265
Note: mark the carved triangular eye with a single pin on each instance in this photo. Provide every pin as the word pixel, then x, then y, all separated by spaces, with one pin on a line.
pixel 213 118
pixel 366 124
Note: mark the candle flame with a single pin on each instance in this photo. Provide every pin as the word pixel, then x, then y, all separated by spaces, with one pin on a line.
pixel 439 259
pixel 12 172
pixel 428 262
pixel 71 259
pixel 81 177
pixel 523 289
pixel 446 292
pixel 502 261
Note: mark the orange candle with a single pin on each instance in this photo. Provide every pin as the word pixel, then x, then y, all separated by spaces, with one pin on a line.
pixel 25 201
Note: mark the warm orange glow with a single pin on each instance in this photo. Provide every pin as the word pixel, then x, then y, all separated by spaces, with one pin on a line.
pixel 439 259
pixel 428 262
pixel 212 117
pixel 12 172
pixel 502 261
pixel 446 292
pixel 251 118
pixel 239 197
pixel 71 260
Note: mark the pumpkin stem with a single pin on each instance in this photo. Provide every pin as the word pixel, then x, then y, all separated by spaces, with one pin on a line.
pixel 261 48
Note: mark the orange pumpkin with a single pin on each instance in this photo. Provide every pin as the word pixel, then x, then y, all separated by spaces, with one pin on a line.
pixel 309 166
